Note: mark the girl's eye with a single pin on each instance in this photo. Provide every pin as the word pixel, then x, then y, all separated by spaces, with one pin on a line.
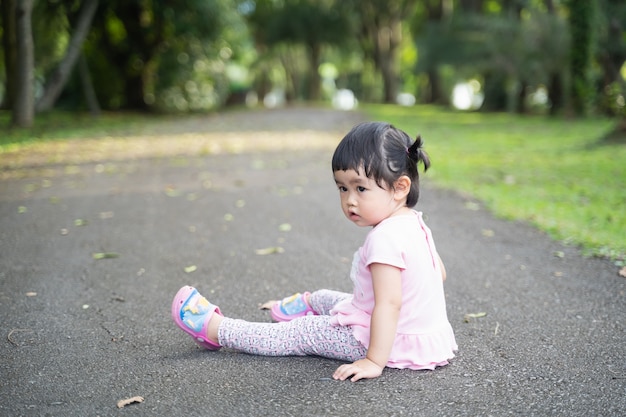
pixel 360 189
pixel 342 189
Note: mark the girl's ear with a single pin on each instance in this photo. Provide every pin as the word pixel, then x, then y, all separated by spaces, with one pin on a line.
pixel 401 187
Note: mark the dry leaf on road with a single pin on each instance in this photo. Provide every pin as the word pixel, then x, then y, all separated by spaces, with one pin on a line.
pixel 469 316
pixel 267 305
pixel 269 251
pixel 127 401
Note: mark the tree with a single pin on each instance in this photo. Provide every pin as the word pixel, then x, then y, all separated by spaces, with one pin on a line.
pixel 56 82
pixel 581 16
pixel 9 41
pixel 555 73
pixel 23 105
pixel 139 50
pixel 611 56
pixel 308 23
pixel 432 40
pixel 381 34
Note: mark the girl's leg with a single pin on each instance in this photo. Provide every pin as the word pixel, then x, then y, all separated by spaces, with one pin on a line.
pixel 318 303
pixel 322 301
pixel 309 335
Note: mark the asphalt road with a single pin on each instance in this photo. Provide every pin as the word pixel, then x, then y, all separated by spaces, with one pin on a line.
pixel 192 203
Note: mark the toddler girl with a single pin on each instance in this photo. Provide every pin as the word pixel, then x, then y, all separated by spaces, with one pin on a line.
pixel 396 313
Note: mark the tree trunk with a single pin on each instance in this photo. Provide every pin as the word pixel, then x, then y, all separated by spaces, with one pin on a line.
pixel 58 79
pixel 581 16
pixel 9 42
pixel 88 90
pixel 495 92
pixel 387 41
pixel 520 100
pixel 555 93
pixel 24 100
pixel 315 82
pixel 435 94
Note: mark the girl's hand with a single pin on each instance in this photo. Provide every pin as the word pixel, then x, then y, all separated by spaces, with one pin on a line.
pixel 363 368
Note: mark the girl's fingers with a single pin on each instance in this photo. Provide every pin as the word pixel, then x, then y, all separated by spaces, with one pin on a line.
pixel 343 372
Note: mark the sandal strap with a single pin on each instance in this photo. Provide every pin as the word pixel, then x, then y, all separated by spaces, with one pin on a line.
pixel 294 304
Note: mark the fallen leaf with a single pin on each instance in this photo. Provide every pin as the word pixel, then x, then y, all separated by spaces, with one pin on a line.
pixel 22 209
pixel 123 403
pixel 269 251
pixel 622 272
pixel 31 294
pixel 13 342
pixel 171 191
pixel 191 268
pixel 488 233
pixel 80 222
pixel 469 316
pixel 229 217
pixel 267 305
pixel 285 227
pixel 105 255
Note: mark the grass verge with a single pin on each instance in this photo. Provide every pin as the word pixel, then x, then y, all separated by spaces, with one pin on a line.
pixel 557 174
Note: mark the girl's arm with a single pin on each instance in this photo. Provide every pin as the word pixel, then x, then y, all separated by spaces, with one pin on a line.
pixel 387 285
pixel 443 268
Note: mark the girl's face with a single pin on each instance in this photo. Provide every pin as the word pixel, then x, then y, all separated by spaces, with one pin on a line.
pixel 363 201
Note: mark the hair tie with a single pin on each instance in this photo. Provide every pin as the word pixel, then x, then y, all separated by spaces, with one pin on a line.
pixel 413 151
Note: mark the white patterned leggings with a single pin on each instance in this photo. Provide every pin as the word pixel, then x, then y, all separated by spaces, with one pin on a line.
pixel 309 335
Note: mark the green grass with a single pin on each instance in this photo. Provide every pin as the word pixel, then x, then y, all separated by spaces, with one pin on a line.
pixel 556 174
pixel 60 125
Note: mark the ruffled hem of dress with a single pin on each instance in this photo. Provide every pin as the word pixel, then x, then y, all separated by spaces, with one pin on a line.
pixel 412 351
pixel 424 351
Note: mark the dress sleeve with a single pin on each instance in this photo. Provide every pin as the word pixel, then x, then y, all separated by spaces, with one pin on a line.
pixel 385 248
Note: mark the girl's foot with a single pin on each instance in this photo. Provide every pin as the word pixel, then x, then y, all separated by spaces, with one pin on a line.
pixel 292 307
pixel 192 313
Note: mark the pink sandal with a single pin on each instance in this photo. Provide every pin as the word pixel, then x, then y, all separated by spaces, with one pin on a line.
pixel 192 313
pixel 292 307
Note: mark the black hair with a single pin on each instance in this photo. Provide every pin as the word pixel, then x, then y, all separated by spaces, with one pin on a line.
pixel 385 153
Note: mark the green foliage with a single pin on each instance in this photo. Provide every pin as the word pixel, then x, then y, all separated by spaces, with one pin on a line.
pixel 284 29
pixel 305 22
pixel 580 23
pixel 556 174
pixel 610 52
pixel 176 54
pixel 497 49
pixel 167 55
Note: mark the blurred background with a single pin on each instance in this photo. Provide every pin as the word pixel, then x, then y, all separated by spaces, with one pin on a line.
pixel 554 57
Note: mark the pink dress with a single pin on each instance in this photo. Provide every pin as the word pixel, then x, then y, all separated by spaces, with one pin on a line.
pixel 424 338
